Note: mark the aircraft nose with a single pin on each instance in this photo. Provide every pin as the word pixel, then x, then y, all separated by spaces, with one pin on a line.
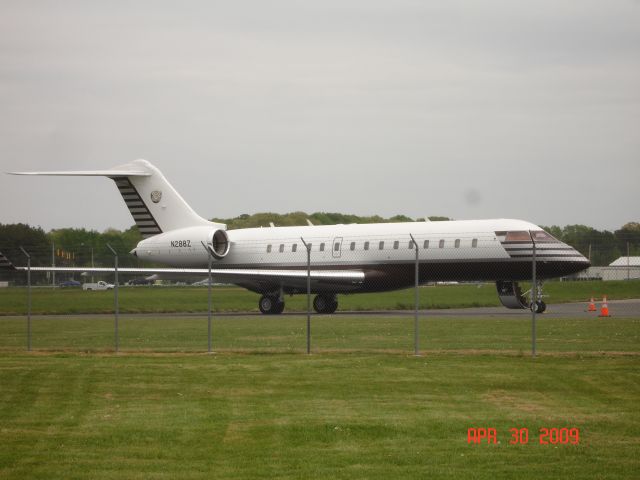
pixel 584 260
pixel 581 262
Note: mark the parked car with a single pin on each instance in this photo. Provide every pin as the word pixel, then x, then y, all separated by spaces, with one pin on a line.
pixel 98 286
pixel 69 283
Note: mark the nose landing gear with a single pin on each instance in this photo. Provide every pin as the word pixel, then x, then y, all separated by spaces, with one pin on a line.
pixel 538 305
pixel 511 296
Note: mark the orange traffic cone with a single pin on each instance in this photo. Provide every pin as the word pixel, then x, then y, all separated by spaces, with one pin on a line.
pixel 604 308
pixel 592 306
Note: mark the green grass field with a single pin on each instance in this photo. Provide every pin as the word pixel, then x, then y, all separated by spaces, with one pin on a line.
pixel 330 334
pixel 233 299
pixel 362 406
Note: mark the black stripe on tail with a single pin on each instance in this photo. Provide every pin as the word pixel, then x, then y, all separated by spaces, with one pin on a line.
pixel 139 211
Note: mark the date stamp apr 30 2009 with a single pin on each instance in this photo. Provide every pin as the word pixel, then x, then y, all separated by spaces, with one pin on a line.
pixel 520 436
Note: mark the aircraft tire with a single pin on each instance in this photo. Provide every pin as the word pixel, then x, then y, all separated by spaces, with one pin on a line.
pixel 325 303
pixel 332 307
pixel 539 307
pixel 269 305
pixel 265 304
pixel 279 308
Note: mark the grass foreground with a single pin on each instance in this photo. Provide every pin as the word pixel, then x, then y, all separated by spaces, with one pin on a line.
pixel 362 406
pixel 330 416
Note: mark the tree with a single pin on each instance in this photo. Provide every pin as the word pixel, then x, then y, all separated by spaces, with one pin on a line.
pixel 33 240
pixel 629 234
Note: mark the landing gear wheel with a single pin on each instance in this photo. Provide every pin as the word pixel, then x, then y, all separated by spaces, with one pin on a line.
pixel 270 305
pixel 538 307
pixel 279 308
pixel 325 303
pixel 265 304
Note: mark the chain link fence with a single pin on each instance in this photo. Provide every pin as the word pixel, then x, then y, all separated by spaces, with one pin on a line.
pixel 399 292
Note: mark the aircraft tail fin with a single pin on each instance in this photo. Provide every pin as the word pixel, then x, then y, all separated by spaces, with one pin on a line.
pixel 154 204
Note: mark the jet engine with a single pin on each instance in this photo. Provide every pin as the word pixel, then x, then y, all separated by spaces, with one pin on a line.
pixel 219 246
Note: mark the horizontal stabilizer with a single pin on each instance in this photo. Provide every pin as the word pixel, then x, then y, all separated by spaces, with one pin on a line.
pixel 89 173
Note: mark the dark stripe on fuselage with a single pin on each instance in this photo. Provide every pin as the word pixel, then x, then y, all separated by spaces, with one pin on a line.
pixel 377 279
pixel 392 276
pixel 529 253
pixel 530 249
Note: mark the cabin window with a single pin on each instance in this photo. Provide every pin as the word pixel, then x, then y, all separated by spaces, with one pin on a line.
pixel 366 245
pixel 281 247
pixel 336 246
pixel 353 246
pixel 411 247
pixel 268 248
pixel 474 243
pixel 294 247
pixel 309 246
pixel 322 247
pixel 457 243
pixel 441 244
pixel 426 244
pixel 396 244
pixel 381 245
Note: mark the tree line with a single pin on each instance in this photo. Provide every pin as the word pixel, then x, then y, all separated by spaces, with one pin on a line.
pixel 78 246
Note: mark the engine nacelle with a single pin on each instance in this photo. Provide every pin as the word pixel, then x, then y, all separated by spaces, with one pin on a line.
pixel 219 245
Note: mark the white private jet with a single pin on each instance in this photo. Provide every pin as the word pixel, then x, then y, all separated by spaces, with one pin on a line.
pixel 344 258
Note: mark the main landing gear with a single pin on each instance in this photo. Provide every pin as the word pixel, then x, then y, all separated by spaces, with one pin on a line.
pixel 324 303
pixel 273 305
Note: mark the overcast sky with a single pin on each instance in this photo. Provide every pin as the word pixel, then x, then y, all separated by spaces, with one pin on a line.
pixel 492 109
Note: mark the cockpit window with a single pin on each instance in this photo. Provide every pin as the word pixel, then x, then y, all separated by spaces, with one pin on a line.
pixel 518 237
pixel 541 236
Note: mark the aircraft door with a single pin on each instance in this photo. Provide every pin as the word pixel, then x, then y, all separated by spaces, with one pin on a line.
pixel 336 247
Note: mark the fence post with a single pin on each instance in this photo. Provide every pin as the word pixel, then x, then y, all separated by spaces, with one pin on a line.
pixel 115 294
pixel 28 299
pixel 534 298
pixel 416 337
pixel 209 300
pixel 53 264
pixel 628 263
pixel 308 247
